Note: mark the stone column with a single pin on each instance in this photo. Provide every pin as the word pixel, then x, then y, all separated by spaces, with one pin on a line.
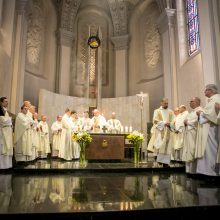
pixel 18 65
pixel 166 28
pixel 99 79
pixel 65 41
pixel 207 42
pixel 121 65
pixel 215 5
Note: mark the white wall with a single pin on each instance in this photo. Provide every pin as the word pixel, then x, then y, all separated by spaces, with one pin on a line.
pixel 127 108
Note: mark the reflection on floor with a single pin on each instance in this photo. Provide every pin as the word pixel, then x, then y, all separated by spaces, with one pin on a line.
pixel 107 195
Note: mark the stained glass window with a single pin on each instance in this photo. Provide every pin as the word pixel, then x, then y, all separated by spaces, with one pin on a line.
pixel 192 26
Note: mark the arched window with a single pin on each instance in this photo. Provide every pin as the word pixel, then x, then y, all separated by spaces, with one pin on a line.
pixel 192 26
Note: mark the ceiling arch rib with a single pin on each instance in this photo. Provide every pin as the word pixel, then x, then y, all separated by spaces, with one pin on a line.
pixel 118 10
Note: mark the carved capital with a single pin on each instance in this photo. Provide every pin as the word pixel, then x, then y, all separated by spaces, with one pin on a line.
pixel 21 6
pixel 24 7
pixel 166 19
pixel 65 37
pixel 121 42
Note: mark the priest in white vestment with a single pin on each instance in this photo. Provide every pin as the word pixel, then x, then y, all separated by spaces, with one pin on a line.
pixel 173 135
pixel 66 151
pixel 86 122
pixel 98 122
pixel 160 142
pixel 35 135
pixel 44 146
pixel 217 106
pixel 6 142
pixel 189 143
pixel 179 129
pixel 56 129
pixel 23 136
pixel 113 124
pixel 207 142
pixel 76 125
pixel 76 122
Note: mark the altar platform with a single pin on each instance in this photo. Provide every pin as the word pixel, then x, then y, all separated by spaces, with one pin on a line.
pixel 51 165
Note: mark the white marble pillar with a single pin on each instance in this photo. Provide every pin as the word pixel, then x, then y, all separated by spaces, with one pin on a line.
pixel 65 41
pixel 166 28
pixel 16 100
pixel 181 31
pixel 99 73
pixel 99 78
pixel 207 42
pixel 121 65
pixel 215 4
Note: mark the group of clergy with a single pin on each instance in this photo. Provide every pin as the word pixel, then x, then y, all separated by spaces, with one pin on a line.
pixel 62 144
pixel 189 136
pixel 31 137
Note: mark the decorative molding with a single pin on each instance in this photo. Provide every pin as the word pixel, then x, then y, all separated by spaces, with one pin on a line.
pixel 35 34
pixel 121 42
pixel 21 6
pixel 24 7
pixel 65 37
pixel 152 44
pixel 119 12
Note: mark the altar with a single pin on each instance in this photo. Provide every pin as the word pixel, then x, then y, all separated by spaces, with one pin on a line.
pixel 106 146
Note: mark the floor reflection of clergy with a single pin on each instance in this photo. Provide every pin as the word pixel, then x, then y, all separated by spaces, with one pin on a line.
pixel 57 194
pixel 113 124
pixel 98 121
pixel 5 192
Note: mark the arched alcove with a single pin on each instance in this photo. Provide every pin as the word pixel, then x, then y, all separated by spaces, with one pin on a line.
pixel 89 19
pixel 145 64
pixel 40 61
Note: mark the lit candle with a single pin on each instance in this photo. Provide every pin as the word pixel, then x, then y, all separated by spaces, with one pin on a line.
pixel 126 129
pixel 130 129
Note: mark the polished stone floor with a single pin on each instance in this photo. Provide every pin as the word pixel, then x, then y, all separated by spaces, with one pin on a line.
pixel 91 194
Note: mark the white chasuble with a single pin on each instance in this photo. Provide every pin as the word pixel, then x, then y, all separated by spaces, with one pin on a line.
pixel 23 137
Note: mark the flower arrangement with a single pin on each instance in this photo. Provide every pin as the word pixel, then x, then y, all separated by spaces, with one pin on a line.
pixel 136 139
pixel 82 137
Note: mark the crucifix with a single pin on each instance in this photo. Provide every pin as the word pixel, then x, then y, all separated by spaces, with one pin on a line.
pixel 141 96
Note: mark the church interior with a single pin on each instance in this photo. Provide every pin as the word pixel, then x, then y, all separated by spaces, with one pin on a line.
pixel 121 56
